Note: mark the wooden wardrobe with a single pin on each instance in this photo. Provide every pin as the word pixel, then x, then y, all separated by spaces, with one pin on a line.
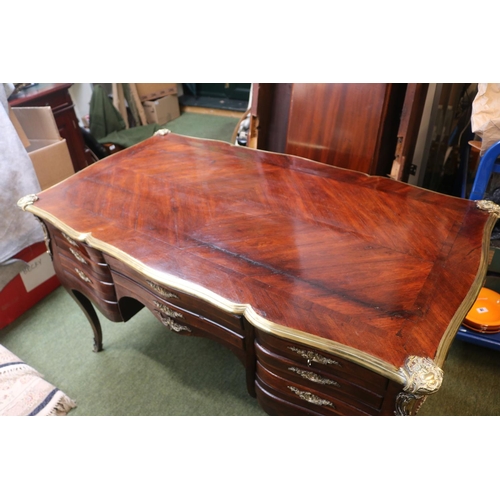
pixel 368 127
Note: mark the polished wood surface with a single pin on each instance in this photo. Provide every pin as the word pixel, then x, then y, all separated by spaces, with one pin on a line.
pixel 370 263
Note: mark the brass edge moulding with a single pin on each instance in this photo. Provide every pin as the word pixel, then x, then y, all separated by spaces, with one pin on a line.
pixel 39 212
pixel 330 346
pixel 469 300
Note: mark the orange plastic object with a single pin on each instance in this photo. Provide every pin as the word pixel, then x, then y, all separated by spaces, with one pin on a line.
pixel 484 315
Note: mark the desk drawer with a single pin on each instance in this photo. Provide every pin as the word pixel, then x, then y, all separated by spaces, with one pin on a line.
pixel 106 303
pixel 323 362
pixel 177 319
pixel 178 298
pixel 330 385
pixel 104 289
pixel 82 260
pixel 304 396
pixel 62 240
pixel 273 404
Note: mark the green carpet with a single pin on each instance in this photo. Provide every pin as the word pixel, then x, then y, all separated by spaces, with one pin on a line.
pixel 143 370
pixel 470 384
pixel 204 126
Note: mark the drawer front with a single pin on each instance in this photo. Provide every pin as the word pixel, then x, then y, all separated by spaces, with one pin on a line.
pixel 65 242
pixel 177 319
pixel 273 404
pixel 78 271
pixel 84 267
pixel 108 306
pixel 332 385
pixel 324 363
pixel 178 298
pixel 83 260
pixel 304 396
pixel 101 288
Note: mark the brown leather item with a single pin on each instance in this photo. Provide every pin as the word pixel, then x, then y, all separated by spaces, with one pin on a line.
pixel 339 292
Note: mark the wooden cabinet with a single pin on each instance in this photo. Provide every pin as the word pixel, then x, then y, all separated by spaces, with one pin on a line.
pixel 371 128
pixel 56 95
pixel 339 292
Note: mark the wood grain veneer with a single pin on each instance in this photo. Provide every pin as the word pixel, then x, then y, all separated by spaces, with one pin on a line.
pixel 366 268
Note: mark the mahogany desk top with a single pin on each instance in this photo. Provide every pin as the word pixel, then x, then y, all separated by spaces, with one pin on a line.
pixel 367 268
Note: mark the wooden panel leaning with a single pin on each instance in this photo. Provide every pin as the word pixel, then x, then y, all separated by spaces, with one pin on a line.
pixel 339 292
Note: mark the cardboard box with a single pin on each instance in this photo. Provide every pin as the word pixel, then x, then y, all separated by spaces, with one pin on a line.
pixel 29 286
pixel 152 91
pixel 162 110
pixel 48 151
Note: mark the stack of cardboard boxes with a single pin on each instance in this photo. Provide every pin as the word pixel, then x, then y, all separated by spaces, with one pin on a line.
pixel 160 101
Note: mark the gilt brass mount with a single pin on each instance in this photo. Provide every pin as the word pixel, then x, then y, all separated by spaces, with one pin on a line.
pixel 26 201
pixel 313 377
pixel 422 377
pixel 311 398
pixel 311 356
pixel 489 206
pixel 162 291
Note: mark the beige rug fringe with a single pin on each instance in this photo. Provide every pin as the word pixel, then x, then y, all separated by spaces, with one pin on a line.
pixel 63 406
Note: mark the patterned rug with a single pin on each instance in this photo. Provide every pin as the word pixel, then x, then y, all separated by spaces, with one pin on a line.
pixel 24 392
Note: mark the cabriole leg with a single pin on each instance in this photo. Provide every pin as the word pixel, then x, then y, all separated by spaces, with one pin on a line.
pixel 89 311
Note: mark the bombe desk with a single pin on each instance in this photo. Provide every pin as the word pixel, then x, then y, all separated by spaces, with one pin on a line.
pixel 339 292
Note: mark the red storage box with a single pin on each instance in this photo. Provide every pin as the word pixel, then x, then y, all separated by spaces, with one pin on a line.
pixel 29 286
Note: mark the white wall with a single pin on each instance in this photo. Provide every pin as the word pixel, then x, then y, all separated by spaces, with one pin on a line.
pixel 81 94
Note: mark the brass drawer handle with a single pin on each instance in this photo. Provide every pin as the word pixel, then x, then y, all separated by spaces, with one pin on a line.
pixel 314 356
pixel 169 312
pixel 83 276
pixel 162 291
pixel 78 256
pixel 171 324
pixel 311 398
pixel 71 241
pixel 313 377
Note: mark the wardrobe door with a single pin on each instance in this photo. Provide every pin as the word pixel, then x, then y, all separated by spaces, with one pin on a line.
pixel 348 125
